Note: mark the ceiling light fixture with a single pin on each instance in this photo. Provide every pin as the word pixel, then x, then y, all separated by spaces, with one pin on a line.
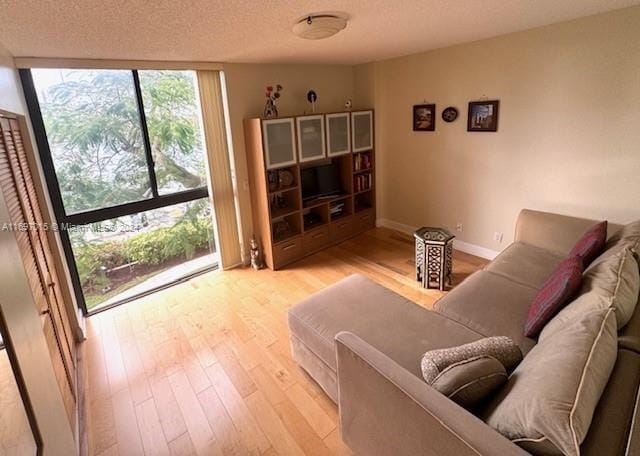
pixel 319 25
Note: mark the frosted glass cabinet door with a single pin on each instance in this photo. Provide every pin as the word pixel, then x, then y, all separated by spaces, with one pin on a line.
pixel 310 138
pixel 279 142
pixel 338 134
pixel 362 130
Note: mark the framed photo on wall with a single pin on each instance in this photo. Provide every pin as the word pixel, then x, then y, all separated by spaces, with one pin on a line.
pixel 483 115
pixel 424 117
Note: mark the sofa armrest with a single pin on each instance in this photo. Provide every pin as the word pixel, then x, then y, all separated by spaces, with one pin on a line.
pixel 554 232
pixel 385 409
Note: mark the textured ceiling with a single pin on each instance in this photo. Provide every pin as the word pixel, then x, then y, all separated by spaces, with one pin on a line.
pixel 260 31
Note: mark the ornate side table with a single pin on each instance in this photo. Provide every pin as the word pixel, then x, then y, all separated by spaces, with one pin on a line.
pixel 434 250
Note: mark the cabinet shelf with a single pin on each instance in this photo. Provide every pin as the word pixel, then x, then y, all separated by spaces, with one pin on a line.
pixel 365 170
pixel 363 191
pixel 308 229
pixel 321 201
pixel 280 213
pixel 282 190
pixel 286 238
pixel 340 217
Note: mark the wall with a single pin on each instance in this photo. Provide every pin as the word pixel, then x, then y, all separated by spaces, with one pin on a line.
pixel 20 313
pixel 245 92
pixel 569 128
pixel 10 89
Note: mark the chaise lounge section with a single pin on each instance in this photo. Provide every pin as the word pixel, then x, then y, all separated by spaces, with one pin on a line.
pixel 363 343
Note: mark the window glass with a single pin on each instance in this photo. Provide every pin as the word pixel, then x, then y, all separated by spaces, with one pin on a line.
pixel 94 132
pixel 123 257
pixel 171 106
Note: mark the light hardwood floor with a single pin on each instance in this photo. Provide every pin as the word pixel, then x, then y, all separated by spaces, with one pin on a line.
pixel 16 437
pixel 205 367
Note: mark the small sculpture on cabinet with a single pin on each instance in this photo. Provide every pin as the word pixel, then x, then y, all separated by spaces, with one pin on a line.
pixel 256 257
pixel 312 97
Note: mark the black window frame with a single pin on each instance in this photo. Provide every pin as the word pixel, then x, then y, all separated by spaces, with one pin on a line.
pixel 66 221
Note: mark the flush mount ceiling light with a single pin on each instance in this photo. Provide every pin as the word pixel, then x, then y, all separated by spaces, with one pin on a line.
pixel 319 26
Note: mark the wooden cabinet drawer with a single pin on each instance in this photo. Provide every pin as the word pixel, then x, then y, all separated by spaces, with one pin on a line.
pixel 341 229
pixel 315 239
pixel 364 220
pixel 287 251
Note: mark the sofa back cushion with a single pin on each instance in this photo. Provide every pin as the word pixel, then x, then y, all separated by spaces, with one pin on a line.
pixel 554 232
pixel 548 403
pixel 630 231
pixel 611 283
pixel 617 279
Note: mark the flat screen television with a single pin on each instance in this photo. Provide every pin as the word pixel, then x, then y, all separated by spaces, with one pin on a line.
pixel 320 181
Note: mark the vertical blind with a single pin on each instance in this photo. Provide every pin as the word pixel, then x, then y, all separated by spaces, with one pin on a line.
pixel 219 167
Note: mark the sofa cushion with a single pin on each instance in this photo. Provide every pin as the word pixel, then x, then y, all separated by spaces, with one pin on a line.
pixel 610 428
pixel 501 348
pixel 548 403
pixel 591 244
pixel 556 292
pixel 629 231
pixel 525 264
pixel 618 280
pixel 492 305
pixel 389 322
pixel 471 381
pixel 603 290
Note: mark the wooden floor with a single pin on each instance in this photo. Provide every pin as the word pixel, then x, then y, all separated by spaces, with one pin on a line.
pixel 205 367
pixel 16 437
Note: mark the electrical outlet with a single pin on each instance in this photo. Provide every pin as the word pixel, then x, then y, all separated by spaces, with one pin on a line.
pixel 459 227
pixel 497 236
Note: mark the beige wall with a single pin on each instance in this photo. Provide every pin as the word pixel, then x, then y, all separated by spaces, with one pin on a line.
pixel 245 92
pixel 10 89
pixel 569 130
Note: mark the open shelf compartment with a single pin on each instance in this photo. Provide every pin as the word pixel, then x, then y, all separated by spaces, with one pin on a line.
pixel 315 217
pixel 282 179
pixel 340 208
pixel 363 201
pixel 287 227
pixel 284 202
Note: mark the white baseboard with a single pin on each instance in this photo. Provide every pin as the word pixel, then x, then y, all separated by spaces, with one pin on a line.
pixel 465 247
pixel 474 249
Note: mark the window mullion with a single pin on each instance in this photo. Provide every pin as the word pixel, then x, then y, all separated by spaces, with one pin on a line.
pixel 153 181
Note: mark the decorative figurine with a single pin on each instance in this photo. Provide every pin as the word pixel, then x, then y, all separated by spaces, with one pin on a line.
pixel 270 108
pixel 256 258
pixel 348 104
pixel 312 97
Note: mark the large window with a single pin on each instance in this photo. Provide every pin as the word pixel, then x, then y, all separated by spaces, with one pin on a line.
pixel 125 162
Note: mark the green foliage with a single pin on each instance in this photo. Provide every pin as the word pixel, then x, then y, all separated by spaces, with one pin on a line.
pixel 93 127
pixel 181 240
pixel 91 258
pixel 189 236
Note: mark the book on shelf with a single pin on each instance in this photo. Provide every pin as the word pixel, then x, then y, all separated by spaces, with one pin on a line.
pixel 363 182
pixel 362 162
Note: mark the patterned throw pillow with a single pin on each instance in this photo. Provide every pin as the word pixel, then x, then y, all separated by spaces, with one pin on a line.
pixel 501 348
pixel 556 292
pixel 591 244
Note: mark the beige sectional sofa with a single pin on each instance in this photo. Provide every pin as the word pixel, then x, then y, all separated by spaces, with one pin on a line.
pixel 363 344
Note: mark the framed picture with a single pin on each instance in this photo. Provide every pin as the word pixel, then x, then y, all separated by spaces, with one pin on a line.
pixel 424 117
pixel 483 115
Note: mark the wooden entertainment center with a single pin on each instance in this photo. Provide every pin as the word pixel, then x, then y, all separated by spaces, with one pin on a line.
pixel 312 181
